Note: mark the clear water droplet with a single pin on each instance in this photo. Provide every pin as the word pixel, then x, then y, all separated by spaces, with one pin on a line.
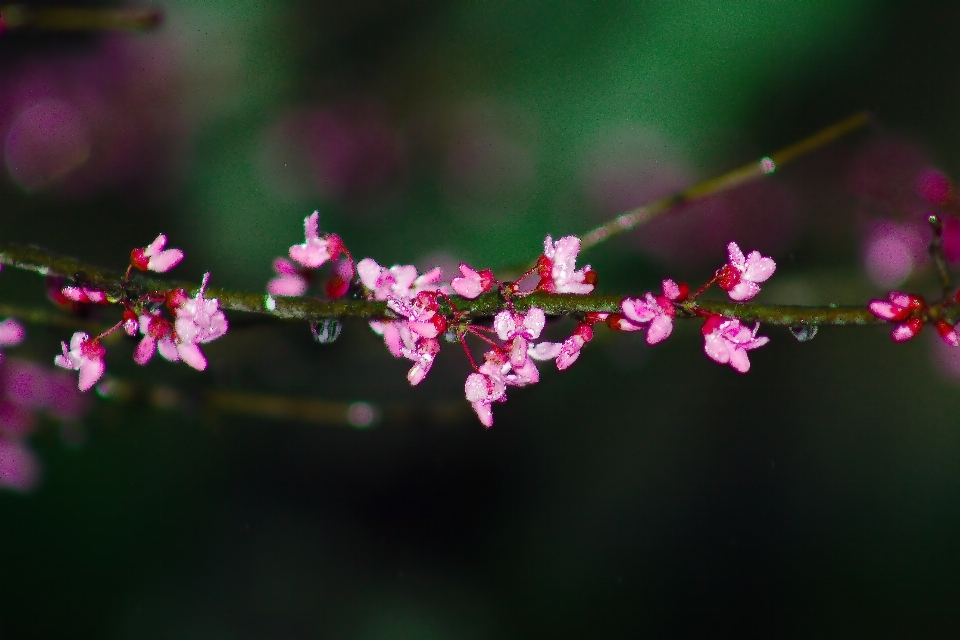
pixel 804 332
pixel 326 331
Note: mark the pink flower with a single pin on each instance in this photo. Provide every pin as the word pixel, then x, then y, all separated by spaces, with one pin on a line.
pixel 316 250
pixel 740 276
pixel 84 355
pixel 654 313
pixel 289 281
pixel 557 268
pixel 154 257
pixel 156 331
pixel 567 352
pixel 399 281
pixel 84 295
pixel 727 341
pixel 199 320
pixel 422 314
pixel 11 333
pixel 948 333
pixel 423 353
pixel 472 283
pixel 900 308
pixel 517 330
pixel 485 387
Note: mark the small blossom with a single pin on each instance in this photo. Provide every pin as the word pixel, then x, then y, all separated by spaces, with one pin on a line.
pixel 84 355
pixel 472 283
pixel 566 352
pixel 155 330
pixel 289 281
pixel 84 295
pixel 155 258
pixel 899 308
pixel 557 268
pixel 740 277
pixel 423 353
pixel 654 313
pixel 422 314
pixel 198 320
pixel 316 250
pixel 399 281
pixel 485 387
pixel 727 341
pixel 517 330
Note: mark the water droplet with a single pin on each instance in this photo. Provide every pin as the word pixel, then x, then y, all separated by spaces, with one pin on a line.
pixel 326 331
pixel 804 332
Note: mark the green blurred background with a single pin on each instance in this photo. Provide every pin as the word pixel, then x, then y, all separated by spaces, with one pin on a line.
pixel 646 492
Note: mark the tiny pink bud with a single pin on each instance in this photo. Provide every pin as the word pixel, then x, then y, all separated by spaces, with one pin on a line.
pixel 139 259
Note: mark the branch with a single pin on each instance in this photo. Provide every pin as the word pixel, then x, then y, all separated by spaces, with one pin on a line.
pixel 43 262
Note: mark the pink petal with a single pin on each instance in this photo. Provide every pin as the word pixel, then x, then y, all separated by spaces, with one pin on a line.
pixel 505 325
pixel 287 285
pixel 191 354
pixel 283 266
pixel 165 261
pixel 90 372
pixel 744 290
pixel 312 254
pixel 311 226
pixel 900 299
pixel 660 329
pixel 671 289
pixel 534 321
pixel 883 309
pixel 168 349
pixel 639 310
pixel 11 332
pixel 759 268
pixel 145 350
pixel 716 348
pixel 156 246
pixel 902 333
pixel 740 361
pixel 736 256
pixel 484 412
pixel 545 350
pixel 369 272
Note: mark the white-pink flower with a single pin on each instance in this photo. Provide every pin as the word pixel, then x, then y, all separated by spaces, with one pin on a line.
pixel 198 320
pixel 485 387
pixel 316 250
pixel 517 330
pixel 154 257
pixel 421 312
pixel 557 267
pixel 727 341
pixel 741 276
pixel 654 313
pixel 289 280
pixel 423 352
pixel 84 355
pixel 399 281
pixel 566 352
pixel 472 283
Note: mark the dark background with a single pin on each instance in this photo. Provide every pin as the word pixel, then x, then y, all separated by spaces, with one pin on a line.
pixel 644 492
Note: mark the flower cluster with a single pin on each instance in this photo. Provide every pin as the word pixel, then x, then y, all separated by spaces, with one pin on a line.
pixel 726 340
pixel 910 312
pixel 194 321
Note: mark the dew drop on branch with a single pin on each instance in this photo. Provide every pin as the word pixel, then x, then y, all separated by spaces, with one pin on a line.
pixel 326 331
pixel 804 332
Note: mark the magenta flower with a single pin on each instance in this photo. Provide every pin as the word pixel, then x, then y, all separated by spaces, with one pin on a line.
pixel 654 313
pixel 316 250
pixel 422 314
pixel 740 277
pixel 485 387
pixel 557 267
pixel 84 355
pixel 423 352
pixel 472 283
pixel 899 308
pixel 727 341
pixel 154 257
pixel 156 332
pixel 289 281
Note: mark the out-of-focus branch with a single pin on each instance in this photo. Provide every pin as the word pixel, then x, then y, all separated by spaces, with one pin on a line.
pixel 19 16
